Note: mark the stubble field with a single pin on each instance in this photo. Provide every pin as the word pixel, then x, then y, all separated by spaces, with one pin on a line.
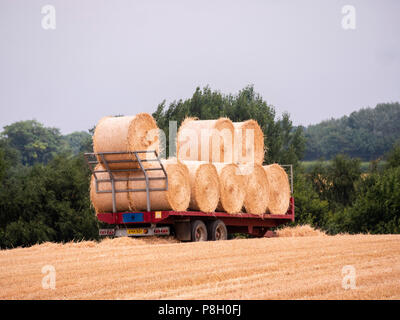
pixel 268 268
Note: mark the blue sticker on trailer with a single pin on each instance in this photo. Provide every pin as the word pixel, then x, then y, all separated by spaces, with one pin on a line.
pixel 132 217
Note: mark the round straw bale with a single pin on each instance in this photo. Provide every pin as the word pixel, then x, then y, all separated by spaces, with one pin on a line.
pixel 279 197
pixel 176 198
pixel 257 189
pixel 126 134
pixel 244 150
pixel 206 140
pixel 232 191
pixel 102 202
pixel 204 185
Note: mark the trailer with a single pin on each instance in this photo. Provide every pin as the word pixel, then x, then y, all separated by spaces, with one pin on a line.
pixel 185 225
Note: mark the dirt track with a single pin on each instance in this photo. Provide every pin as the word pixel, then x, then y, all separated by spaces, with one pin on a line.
pixel 275 268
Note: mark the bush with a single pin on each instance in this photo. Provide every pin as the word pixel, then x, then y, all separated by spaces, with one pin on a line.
pixel 309 208
pixel 377 205
pixel 336 181
pixel 393 157
pixel 47 203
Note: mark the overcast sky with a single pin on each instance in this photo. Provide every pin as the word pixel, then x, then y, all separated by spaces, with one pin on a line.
pixel 125 57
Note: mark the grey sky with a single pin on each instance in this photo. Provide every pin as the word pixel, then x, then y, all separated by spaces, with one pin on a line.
pixel 125 57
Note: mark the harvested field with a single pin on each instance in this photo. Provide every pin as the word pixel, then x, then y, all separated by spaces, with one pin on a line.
pixel 299 231
pixel 306 267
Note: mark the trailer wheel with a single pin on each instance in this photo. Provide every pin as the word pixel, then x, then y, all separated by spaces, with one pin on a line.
pixel 217 230
pixel 199 231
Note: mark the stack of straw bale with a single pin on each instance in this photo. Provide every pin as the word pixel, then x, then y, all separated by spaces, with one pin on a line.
pixel 214 169
pixel 279 197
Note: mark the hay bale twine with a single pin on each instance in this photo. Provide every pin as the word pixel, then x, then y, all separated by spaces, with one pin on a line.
pixel 102 202
pixel 206 140
pixel 244 150
pixel 257 189
pixel 279 197
pixel 126 134
pixel 204 185
pixel 231 184
pixel 176 198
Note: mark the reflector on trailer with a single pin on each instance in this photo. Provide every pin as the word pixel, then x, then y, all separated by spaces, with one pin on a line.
pixel 106 232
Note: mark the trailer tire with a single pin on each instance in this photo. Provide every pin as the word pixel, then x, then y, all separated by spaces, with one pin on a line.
pixel 199 231
pixel 217 230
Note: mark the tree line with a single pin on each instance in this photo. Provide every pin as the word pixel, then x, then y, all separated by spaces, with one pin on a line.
pixel 366 134
pixel 44 180
pixel 44 193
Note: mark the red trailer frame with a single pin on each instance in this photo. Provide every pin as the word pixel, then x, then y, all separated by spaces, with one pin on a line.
pixel 242 222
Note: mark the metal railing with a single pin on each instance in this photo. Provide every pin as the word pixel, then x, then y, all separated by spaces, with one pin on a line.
pixel 131 160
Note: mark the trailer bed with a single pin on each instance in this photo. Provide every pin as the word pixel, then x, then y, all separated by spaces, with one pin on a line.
pixel 156 222
pixel 167 217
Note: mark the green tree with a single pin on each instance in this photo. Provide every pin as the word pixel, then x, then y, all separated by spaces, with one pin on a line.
pixel 3 164
pixel 34 142
pixel 47 203
pixel 79 141
pixel 376 208
pixel 366 134
pixel 309 208
pixel 335 182
pixel 284 143
pixel 393 157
